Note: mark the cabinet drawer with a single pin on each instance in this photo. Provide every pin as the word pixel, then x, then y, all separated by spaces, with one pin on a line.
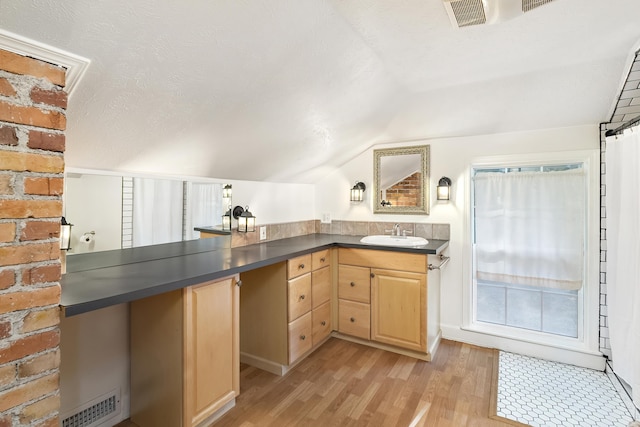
pixel 354 283
pixel 321 319
pixel 298 266
pixel 320 259
pixel 402 261
pixel 354 319
pixel 300 337
pixel 299 296
pixel 320 286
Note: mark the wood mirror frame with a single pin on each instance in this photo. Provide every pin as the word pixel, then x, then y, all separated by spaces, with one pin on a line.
pixel 407 169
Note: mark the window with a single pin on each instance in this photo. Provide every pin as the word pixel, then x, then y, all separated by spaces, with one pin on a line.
pixel 529 237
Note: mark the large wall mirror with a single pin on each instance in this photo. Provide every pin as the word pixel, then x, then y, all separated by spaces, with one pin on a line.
pixel 117 212
pixel 401 180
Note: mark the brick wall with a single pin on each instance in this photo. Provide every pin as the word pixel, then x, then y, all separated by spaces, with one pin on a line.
pixel 32 142
pixel 405 192
pixel 627 109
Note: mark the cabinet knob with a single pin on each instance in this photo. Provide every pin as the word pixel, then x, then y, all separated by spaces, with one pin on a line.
pixel 303 337
pixel 239 283
pixel 353 319
pixel 373 275
pixel 322 259
pixel 301 266
pixel 352 284
pixel 301 297
pixel 323 323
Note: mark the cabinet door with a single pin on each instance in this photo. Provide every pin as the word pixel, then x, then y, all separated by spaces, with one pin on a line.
pixel 320 259
pixel 321 319
pixel 211 348
pixel 399 309
pixel 354 319
pixel 320 286
pixel 298 266
pixel 354 283
pixel 300 337
pixel 299 296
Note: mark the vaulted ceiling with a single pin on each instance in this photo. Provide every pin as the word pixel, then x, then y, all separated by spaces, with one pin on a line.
pixel 288 90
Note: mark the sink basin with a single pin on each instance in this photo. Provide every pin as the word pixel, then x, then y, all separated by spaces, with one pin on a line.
pixel 403 241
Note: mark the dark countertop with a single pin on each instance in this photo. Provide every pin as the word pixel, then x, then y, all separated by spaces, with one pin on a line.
pixel 101 279
pixel 213 230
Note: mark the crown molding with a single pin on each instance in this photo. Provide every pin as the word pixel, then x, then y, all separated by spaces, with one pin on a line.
pixel 75 65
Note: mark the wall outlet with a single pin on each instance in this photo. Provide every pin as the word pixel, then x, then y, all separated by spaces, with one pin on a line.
pixel 326 218
pixel 263 233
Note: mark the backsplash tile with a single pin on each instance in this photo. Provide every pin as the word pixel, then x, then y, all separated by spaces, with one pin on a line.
pixel 355 228
pixel 348 228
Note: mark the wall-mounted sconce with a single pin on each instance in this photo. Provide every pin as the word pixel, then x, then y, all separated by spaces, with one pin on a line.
pixel 357 192
pixel 226 220
pixel 246 220
pixel 65 235
pixel 444 188
pixel 226 191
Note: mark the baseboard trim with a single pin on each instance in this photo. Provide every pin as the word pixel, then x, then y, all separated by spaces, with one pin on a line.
pixel 582 358
pixel 415 354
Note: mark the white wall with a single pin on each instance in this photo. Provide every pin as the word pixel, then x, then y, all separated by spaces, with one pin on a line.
pixel 275 202
pixel 452 157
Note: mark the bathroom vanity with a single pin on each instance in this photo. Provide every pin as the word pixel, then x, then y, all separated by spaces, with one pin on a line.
pixel 198 308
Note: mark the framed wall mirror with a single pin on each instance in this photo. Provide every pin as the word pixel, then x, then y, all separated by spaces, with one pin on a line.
pixel 401 180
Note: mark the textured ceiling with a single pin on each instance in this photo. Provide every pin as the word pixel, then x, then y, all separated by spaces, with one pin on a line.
pixel 288 90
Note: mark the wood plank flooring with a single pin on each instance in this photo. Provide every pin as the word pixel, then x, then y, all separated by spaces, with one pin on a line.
pixel 347 384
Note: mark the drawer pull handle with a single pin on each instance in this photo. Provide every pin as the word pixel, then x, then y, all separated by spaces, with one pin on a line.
pixel 239 283
pixel 353 319
pixel 352 284
pixel 373 275
pixel 322 259
pixel 301 267
pixel 323 323
pixel 301 297
pixel 303 337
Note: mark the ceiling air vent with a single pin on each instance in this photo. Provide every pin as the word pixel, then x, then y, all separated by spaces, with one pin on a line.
pixel 464 13
pixel 527 5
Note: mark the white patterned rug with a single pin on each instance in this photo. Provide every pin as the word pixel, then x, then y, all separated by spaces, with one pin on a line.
pixel 542 393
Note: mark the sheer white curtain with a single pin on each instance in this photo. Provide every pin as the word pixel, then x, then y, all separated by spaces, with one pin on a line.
pixel 204 207
pixel 157 211
pixel 623 255
pixel 530 228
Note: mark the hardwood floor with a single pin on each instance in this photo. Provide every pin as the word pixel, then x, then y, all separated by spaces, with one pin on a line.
pixel 347 384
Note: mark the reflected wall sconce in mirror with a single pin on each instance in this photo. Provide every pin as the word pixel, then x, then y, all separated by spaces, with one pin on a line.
pixel 444 188
pixel 226 220
pixel 246 220
pixel 65 235
pixel 226 191
pixel 357 192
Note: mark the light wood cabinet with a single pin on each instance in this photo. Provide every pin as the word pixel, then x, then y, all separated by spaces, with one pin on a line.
pixel 299 296
pixel 185 354
pixel 383 297
pixel 285 311
pixel 300 336
pixel 321 323
pixel 399 308
pixel 354 318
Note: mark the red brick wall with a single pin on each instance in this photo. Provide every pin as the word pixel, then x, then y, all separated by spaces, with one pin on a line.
pixel 405 192
pixel 32 142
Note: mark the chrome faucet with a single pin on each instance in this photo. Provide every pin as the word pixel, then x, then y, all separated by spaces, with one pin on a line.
pixel 396 230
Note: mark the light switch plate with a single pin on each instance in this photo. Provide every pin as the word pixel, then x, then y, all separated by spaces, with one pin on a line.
pixel 326 218
pixel 263 233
